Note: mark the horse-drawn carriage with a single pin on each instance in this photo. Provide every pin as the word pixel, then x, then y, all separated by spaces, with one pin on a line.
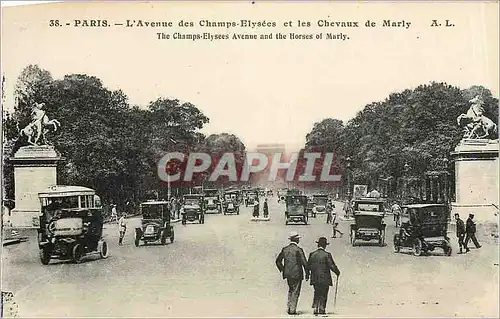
pixel 71 224
pixel 426 229
pixel 155 223
pixel 369 222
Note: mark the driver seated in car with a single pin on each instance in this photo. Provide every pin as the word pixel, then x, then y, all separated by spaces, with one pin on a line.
pixel 405 230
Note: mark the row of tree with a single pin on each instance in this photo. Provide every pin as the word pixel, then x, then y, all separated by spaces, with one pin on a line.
pixel 108 144
pixel 410 133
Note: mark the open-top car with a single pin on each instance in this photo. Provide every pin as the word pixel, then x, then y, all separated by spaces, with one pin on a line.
pixel 368 221
pixel 296 209
pixel 231 202
pixel 320 202
pixel 192 209
pixel 213 201
pixel 426 229
pixel 155 223
pixel 71 224
pixel 251 197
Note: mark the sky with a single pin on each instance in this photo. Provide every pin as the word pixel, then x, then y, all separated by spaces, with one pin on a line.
pixel 265 91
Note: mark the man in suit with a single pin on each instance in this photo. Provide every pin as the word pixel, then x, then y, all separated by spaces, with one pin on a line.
pixel 460 232
pixel 291 261
pixel 470 229
pixel 320 264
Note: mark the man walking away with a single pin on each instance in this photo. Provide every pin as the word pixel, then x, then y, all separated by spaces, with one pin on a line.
pixel 329 211
pixel 292 263
pixel 114 214
pixel 460 233
pixel 335 226
pixel 470 229
pixel 122 224
pixel 396 211
pixel 320 264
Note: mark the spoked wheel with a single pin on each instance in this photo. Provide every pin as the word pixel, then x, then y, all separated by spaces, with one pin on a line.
pixel 136 240
pixel 447 249
pixel 381 241
pixel 417 247
pixel 353 237
pixel 44 256
pixel 397 246
pixel 103 249
pixel 77 253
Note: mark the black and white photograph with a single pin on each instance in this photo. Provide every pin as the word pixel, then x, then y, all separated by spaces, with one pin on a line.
pixel 250 159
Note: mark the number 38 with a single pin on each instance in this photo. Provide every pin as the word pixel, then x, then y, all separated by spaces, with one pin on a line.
pixel 54 23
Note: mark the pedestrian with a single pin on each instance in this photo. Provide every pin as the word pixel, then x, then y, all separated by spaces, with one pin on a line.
pixel 335 226
pixel 396 211
pixel 256 212
pixel 329 212
pixel 460 232
pixel 470 229
pixel 265 209
pixel 320 265
pixel 122 224
pixel 114 214
pixel 292 263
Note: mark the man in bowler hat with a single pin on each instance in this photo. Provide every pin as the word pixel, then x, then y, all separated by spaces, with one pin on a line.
pixel 470 229
pixel 292 263
pixel 320 264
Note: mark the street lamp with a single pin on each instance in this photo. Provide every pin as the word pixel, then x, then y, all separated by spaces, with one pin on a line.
pixel 405 178
pixel 446 181
pixel 348 169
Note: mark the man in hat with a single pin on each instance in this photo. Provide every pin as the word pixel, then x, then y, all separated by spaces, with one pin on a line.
pixel 470 229
pixel 292 263
pixel 122 225
pixel 320 264
pixel 265 209
pixel 460 232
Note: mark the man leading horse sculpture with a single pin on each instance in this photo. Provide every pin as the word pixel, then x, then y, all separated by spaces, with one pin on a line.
pixel 39 126
pixel 478 125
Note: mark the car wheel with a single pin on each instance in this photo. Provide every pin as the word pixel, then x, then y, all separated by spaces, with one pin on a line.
pixel 417 247
pixel 77 253
pixel 44 256
pixel 103 249
pixel 397 246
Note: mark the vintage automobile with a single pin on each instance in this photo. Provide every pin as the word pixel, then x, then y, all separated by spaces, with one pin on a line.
pixel 269 192
pixel 320 202
pixel 282 195
pixel 310 206
pixel 192 209
pixel 368 221
pixel 155 223
pixel 212 201
pixel 296 209
pixel 71 224
pixel 231 202
pixel 251 197
pixel 426 229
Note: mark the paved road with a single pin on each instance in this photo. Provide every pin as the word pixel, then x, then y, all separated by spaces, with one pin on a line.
pixel 225 268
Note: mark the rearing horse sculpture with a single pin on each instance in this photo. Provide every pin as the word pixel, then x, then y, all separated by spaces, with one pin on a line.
pixel 39 125
pixel 477 122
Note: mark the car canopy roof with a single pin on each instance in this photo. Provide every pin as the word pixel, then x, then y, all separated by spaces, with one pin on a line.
pixel 65 191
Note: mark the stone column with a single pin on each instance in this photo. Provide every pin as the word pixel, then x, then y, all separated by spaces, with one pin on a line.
pixel 35 169
pixel 476 178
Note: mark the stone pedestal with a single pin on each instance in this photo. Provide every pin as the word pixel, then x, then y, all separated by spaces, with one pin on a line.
pixel 477 179
pixel 35 169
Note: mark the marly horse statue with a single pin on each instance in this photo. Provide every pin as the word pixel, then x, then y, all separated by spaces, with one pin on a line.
pixel 39 126
pixel 478 125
